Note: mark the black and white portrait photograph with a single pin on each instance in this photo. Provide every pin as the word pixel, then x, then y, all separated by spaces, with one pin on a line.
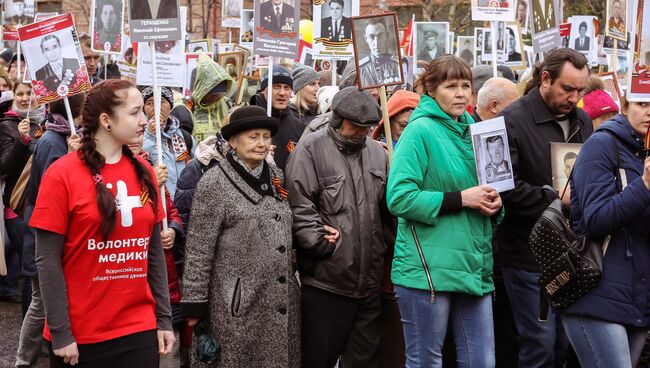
pixel 501 40
pixel 493 164
pixel 465 49
pixel 515 55
pixel 582 42
pixel 231 13
pixel 276 28
pixel 582 36
pixel 306 57
pixel 430 40
pixel 246 28
pixel 486 56
pixel 497 167
pixel 277 16
pixel 377 51
pixel 333 28
pixel 54 58
pixel 59 61
pixel 479 36
pixel 335 21
pixel 563 157
pixel 18 11
pixel 154 9
pixel 108 18
pixel 197 46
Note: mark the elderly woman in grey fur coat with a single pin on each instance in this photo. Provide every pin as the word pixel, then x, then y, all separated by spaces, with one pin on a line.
pixel 238 272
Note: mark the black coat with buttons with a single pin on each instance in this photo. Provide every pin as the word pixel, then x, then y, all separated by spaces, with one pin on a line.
pixel 238 270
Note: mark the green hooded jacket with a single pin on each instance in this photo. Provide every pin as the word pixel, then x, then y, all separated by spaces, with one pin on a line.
pixel 434 155
pixel 208 118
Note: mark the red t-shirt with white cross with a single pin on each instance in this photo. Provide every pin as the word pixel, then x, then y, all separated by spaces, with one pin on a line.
pixel 106 279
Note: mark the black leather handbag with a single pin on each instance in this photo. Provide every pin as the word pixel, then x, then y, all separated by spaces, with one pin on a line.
pixel 570 266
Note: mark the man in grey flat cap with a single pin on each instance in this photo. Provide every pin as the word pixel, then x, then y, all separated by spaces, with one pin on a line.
pixel 380 67
pixel 336 179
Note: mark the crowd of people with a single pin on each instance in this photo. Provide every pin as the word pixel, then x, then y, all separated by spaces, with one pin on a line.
pixel 292 239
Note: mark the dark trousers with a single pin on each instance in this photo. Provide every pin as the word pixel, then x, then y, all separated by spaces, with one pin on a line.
pixel 392 351
pixel 138 350
pixel 335 326
pixel 542 344
pixel 505 331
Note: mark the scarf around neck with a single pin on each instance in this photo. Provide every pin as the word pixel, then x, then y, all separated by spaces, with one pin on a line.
pixel 346 145
pixel 36 116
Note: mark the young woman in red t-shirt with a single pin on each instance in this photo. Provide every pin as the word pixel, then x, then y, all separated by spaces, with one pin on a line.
pixel 101 264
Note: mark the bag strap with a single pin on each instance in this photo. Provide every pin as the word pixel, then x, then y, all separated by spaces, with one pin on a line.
pixel 616 169
pixel 543 306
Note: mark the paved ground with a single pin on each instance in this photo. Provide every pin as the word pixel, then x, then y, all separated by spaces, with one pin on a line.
pixel 10 320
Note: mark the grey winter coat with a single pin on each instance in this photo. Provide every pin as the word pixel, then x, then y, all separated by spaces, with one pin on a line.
pixel 239 273
pixel 347 192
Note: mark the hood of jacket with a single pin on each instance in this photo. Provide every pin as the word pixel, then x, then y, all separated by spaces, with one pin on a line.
pixel 208 75
pixel 429 108
pixel 621 128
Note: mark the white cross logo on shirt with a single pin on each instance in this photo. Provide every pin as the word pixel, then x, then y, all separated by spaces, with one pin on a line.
pixel 126 203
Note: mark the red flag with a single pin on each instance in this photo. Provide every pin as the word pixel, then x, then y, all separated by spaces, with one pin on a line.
pixel 406 44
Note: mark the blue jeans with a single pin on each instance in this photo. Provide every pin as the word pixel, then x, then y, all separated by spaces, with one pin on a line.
pixel 604 344
pixel 542 344
pixel 425 326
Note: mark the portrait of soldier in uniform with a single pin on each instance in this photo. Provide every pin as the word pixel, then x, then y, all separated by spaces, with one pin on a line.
pixel 431 40
pixel 277 16
pixel 381 65
pixel 498 168
pixel 336 27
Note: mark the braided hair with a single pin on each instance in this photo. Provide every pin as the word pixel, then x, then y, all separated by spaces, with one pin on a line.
pixel 103 98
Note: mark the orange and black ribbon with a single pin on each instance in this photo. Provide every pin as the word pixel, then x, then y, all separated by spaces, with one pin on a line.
pixel 183 157
pixel 281 191
pixel 144 196
pixel 291 145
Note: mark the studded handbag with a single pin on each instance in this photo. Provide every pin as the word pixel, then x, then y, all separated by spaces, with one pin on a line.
pixel 570 266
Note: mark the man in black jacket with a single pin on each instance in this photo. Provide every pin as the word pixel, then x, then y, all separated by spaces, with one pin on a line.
pixel 291 127
pixel 547 113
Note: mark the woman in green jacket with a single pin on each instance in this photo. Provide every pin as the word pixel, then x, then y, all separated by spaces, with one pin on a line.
pixel 442 269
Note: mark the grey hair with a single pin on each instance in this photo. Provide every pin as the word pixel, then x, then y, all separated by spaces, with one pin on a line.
pixel 492 90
